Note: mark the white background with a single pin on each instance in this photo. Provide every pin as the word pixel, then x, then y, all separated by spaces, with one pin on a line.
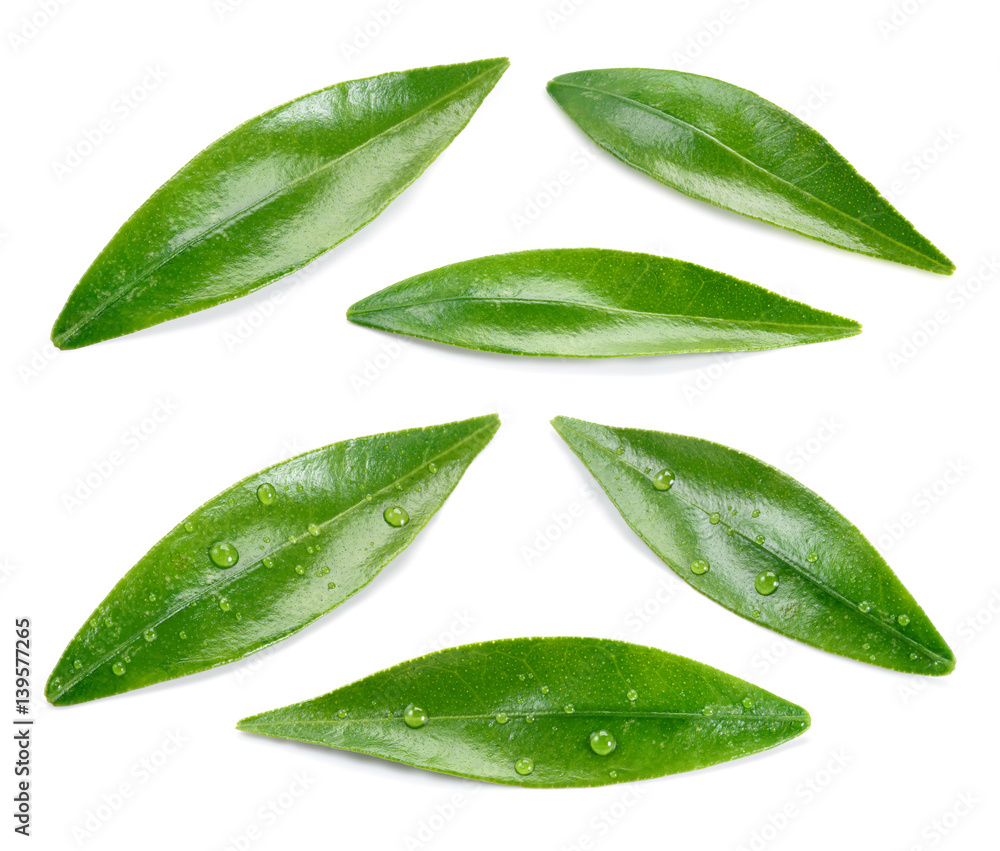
pixel 868 422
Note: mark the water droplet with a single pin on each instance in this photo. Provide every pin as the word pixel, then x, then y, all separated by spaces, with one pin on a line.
pixel 914 655
pixel 432 468
pixel 267 561
pixel 224 604
pixel 149 634
pixel 755 513
pixel 414 716
pixel 766 583
pixel 521 677
pixel 612 774
pixel 223 555
pixel 342 713
pixel 299 487
pixel 183 635
pixel 865 646
pixel 699 567
pixel 664 480
pixel 714 518
pixel 707 710
pixel 77 664
pixel 602 742
pixel 313 530
pixel 188 526
pixel 396 516
pixel 747 703
pixel 266 494
pixel 632 694
pixel 530 719
pixel 118 668
pixel 864 608
pixel 620 450
pixel 502 718
pixel 524 766
pixel 759 539
pixel 545 689
pixel 730 532
pixel 299 569
pixel 903 620
pixel 812 558
pixel 569 709
pixel 331 585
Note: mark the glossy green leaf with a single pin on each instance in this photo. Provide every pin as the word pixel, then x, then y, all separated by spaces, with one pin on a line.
pixel 760 543
pixel 592 302
pixel 545 712
pixel 725 145
pixel 265 558
pixel 272 195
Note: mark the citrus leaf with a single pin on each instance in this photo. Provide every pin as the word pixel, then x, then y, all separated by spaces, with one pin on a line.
pixel 271 196
pixel 760 543
pixel 545 712
pixel 593 302
pixel 725 145
pixel 265 558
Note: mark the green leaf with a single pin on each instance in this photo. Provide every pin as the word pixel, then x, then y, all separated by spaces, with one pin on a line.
pixel 524 711
pixel 265 558
pixel 592 302
pixel 725 145
pixel 761 544
pixel 271 196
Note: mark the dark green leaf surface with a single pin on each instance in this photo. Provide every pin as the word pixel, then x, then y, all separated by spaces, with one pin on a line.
pixel 272 195
pixel 496 709
pixel 592 302
pixel 727 524
pixel 307 534
pixel 725 145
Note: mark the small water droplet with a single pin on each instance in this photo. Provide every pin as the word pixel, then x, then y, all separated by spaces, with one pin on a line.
pixel 864 608
pixel 903 620
pixel 299 488
pixel 502 718
pixel 766 583
pixel 620 450
pixel 414 716
pixel 812 558
pixel 707 710
pixel 224 604
pixel 602 742
pixel 747 703
pixel 632 694
pixel 569 709
pixel 77 664
pixel 188 526
pixel 521 677
pixel 524 766
pixel 266 494
pixel 299 569
pixel 342 713
pixel 396 516
pixel 612 774
pixel 730 532
pixel 664 480
pixel 183 635
pixel 149 634
pixel 530 719
pixel 432 468
pixel 331 585
pixel 914 655
pixel 759 539
pixel 313 530
pixel 118 668
pixel 223 555
pixel 545 689
pixel 267 561
pixel 755 513
pixel 699 567
pixel 714 518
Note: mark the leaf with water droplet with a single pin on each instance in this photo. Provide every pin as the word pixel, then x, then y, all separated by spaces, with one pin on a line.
pixel 212 607
pixel 799 568
pixel 441 711
pixel 719 143
pixel 592 302
pixel 271 196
